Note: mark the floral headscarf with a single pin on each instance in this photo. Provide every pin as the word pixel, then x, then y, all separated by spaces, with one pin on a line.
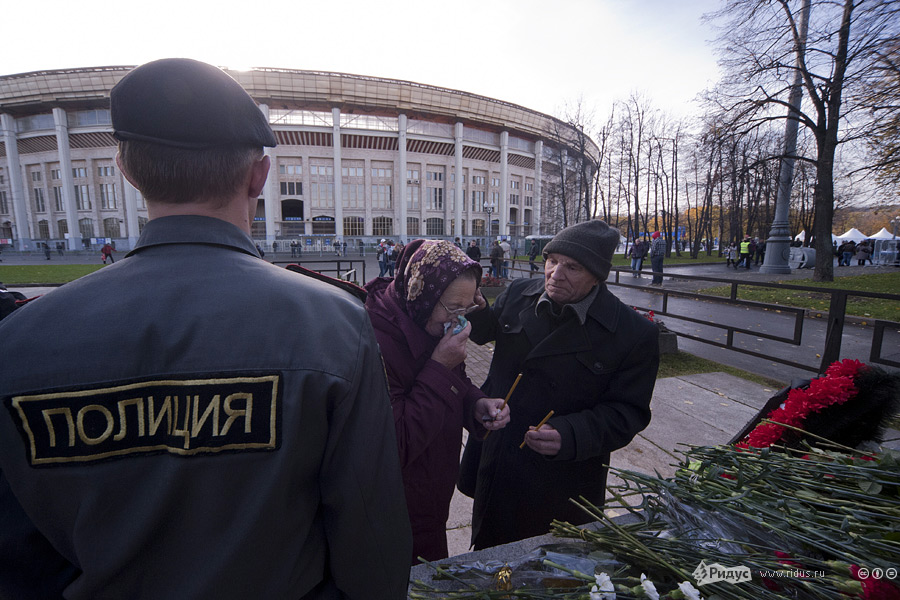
pixel 424 271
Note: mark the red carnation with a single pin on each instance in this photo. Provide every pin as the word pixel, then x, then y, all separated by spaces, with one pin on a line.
pixel 845 368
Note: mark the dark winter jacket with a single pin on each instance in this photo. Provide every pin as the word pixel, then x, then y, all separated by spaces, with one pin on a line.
pixel 597 377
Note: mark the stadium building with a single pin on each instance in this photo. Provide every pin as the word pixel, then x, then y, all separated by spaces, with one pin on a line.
pixel 358 159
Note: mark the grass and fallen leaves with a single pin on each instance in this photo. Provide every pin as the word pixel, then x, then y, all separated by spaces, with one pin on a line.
pixel 46 274
pixel 882 283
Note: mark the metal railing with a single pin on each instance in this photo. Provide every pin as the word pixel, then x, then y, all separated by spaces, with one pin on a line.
pixel 836 314
pixel 837 317
pixel 341 268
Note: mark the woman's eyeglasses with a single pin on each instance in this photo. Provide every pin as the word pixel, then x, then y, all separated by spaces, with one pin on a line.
pixel 459 312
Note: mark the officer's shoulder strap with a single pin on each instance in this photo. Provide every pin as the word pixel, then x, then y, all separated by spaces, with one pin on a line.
pixel 10 301
pixel 347 286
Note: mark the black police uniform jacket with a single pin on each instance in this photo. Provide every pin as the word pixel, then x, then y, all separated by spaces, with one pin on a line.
pixel 194 422
pixel 597 377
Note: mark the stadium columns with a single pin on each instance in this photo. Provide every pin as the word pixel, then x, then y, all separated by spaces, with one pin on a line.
pixel 22 231
pixel 60 120
pixel 538 188
pixel 401 200
pixel 503 205
pixel 458 183
pixel 338 178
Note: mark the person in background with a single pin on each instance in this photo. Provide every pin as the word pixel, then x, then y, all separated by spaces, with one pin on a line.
pixel 381 256
pixel 390 257
pixel 496 259
pixel 745 253
pixel 638 252
pixel 238 443
pixel 473 251
pixel 657 255
pixel 731 255
pixel 760 257
pixel 532 256
pixel 849 251
pixel 507 249
pixel 416 317
pixel 106 253
pixel 863 253
pixel 583 354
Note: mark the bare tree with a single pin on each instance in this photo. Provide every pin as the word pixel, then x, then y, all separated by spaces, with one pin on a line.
pixel 884 143
pixel 761 52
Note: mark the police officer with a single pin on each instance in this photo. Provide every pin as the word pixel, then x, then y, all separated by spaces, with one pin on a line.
pixel 192 421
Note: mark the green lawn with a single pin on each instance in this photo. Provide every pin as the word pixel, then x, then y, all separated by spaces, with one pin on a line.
pixel 19 274
pixel 882 283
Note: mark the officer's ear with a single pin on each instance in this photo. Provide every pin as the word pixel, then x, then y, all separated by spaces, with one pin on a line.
pixel 259 172
pixel 123 171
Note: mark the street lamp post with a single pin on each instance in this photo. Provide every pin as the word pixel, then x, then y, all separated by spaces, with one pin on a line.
pixel 489 207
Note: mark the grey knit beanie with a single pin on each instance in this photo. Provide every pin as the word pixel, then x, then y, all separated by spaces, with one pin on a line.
pixel 591 243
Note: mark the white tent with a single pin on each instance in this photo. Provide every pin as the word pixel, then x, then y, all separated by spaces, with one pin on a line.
pixel 852 234
pixel 884 234
pixel 886 248
pixel 801 237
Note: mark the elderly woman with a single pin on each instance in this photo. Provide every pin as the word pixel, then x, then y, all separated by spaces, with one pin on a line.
pixel 415 317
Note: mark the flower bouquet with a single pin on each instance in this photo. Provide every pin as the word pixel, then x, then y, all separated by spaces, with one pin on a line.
pixel 850 404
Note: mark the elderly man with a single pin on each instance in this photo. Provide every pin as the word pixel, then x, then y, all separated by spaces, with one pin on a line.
pixel 582 354
pixel 198 440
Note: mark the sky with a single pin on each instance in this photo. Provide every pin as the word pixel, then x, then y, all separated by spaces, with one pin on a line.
pixel 541 54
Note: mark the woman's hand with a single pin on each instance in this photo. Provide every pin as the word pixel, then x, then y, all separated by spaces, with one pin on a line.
pixel 451 350
pixel 488 412
pixel 545 440
pixel 479 300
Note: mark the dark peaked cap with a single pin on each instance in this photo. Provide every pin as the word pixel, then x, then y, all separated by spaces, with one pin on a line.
pixel 187 104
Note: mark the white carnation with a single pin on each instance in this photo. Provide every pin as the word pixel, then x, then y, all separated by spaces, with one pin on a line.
pixel 689 591
pixel 649 588
pixel 604 590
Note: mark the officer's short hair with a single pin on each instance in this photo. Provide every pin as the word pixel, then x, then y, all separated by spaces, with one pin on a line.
pixel 182 175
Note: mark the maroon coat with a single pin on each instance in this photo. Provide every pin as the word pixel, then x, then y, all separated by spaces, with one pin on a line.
pixel 431 406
